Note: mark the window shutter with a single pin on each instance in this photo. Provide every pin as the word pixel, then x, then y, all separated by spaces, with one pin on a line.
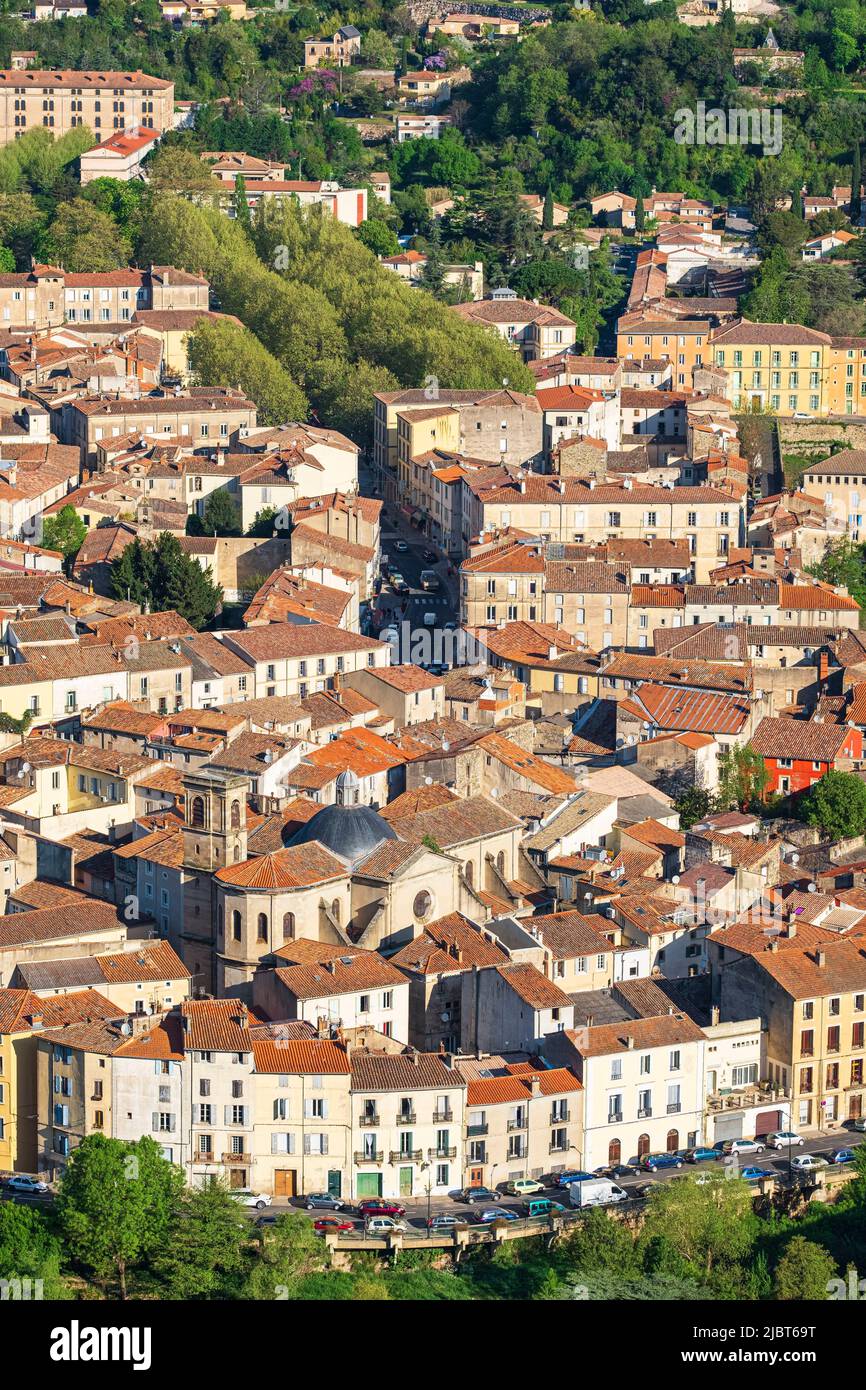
pixel 57 1085
pixel 324 1110
pixel 308 1109
pixel 323 1140
pixel 227 1111
pixel 307 1148
pixel 157 1069
pixel 291 1143
pixel 155 1121
pixel 58 1115
pixel 245 1115
pixel 276 1116
pixel 171 1122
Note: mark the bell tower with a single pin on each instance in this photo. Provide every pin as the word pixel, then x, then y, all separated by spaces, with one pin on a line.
pixel 215 819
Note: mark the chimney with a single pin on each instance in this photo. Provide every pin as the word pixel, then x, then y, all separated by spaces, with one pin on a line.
pixel 589 1020
pixel 821 959
pixel 534 1086
pixel 416 1059
pixel 331 967
pixel 714 1015
pixel 792 930
pixel 823 666
pixel 629 1041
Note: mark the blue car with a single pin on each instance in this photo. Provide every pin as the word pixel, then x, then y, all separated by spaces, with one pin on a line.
pixel 700 1155
pixel 842 1156
pixel 754 1174
pixel 651 1162
pixel 496 1214
pixel 563 1179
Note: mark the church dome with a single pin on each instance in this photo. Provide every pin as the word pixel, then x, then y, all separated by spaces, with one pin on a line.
pixel 350 832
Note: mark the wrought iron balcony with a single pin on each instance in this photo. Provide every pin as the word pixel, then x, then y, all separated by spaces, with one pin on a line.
pixel 366 1121
pixel 443 1117
pixel 237 1158
pixel 475 1131
pixel 517 1124
pixel 444 1152
pixel 375 1156
pixel 405 1156
pixel 406 1117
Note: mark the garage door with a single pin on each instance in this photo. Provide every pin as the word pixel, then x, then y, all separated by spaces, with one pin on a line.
pixel 728 1127
pixel 766 1121
pixel 369 1184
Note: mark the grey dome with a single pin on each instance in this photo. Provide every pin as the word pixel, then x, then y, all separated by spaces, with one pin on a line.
pixel 350 832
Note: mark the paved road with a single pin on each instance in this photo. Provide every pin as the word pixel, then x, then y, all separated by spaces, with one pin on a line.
pixel 391 607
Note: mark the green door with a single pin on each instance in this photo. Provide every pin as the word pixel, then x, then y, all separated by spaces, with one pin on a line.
pixel 369 1184
pixel 335 1183
pixel 405 1182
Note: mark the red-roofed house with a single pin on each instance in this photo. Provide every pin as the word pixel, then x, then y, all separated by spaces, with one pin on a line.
pixel 798 752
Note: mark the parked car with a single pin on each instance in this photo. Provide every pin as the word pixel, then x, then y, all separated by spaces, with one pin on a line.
pixel 783 1139
pixel 22 1182
pixel 383 1225
pixel 477 1194
pixel 807 1163
pixel 429 579
pixel 860 1125
pixel 524 1187
pixel 742 1146
pixel 401 547
pixel 579 1175
pixel 247 1198
pixel 376 1206
pixel 332 1223
pixel 652 1162
pixel 617 1170
pixel 323 1201
pixel 701 1154
pixel 543 1206
pixel 444 1221
pixel 398 583
pixel 842 1155
pixel 496 1214
pixel 429 556
pixel 752 1173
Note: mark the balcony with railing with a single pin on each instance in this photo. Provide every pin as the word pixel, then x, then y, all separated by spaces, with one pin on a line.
pixel 674 1107
pixel 645 1112
pixel 237 1158
pixel 746 1097
pixel 443 1117
pixel 519 1123
pixel 369 1156
pixel 405 1156
pixel 614 1117
pixel 476 1131
pixel 445 1151
pixel 560 1118
pixel 366 1121
pixel 556 1148
pixel 406 1117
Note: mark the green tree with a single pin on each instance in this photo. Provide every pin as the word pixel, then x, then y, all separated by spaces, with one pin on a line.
pixel 116 1206
pixel 856 182
pixel 693 805
pixel 29 1250
pixel 7 260
pixel 223 353
pixel 639 214
pixel 547 212
pixel 206 1254
pixel 239 201
pixel 162 576
pixel 378 237
pixel 290 1250
pixel 804 1271
pixel 837 804
pixel 263 524
pixel 708 1226
pixel 843 564
pixel 743 777
pixel 81 238
pixel 64 531
pixel 221 516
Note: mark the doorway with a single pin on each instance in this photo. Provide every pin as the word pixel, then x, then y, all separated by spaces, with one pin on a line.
pixel 335 1183
pixel 405 1182
pixel 237 1177
pixel 476 1177
pixel 286 1182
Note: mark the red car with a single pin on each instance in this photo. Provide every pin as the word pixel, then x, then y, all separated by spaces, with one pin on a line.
pixel 374 1206
pixel 332 1223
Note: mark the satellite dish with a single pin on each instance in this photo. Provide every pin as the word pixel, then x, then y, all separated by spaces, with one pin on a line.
pixel 126 1027
pixel 675 879
pixel 25 767
pixel 445 1018
pixel 445 746
pixel 428 781
pixel 494 793
pixel 795 858
pixel 813 888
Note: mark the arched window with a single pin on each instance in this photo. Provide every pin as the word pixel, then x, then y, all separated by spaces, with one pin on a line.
pixel 236 925
pixel 673 1140
pixel 196 817
pixel 262 929
pixel 237 854
pixel 236 815
pixel 500 861
pixel 469 870
pixel 614 1151
pixel 288 926
pixel 643 1145
pixel 335 909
